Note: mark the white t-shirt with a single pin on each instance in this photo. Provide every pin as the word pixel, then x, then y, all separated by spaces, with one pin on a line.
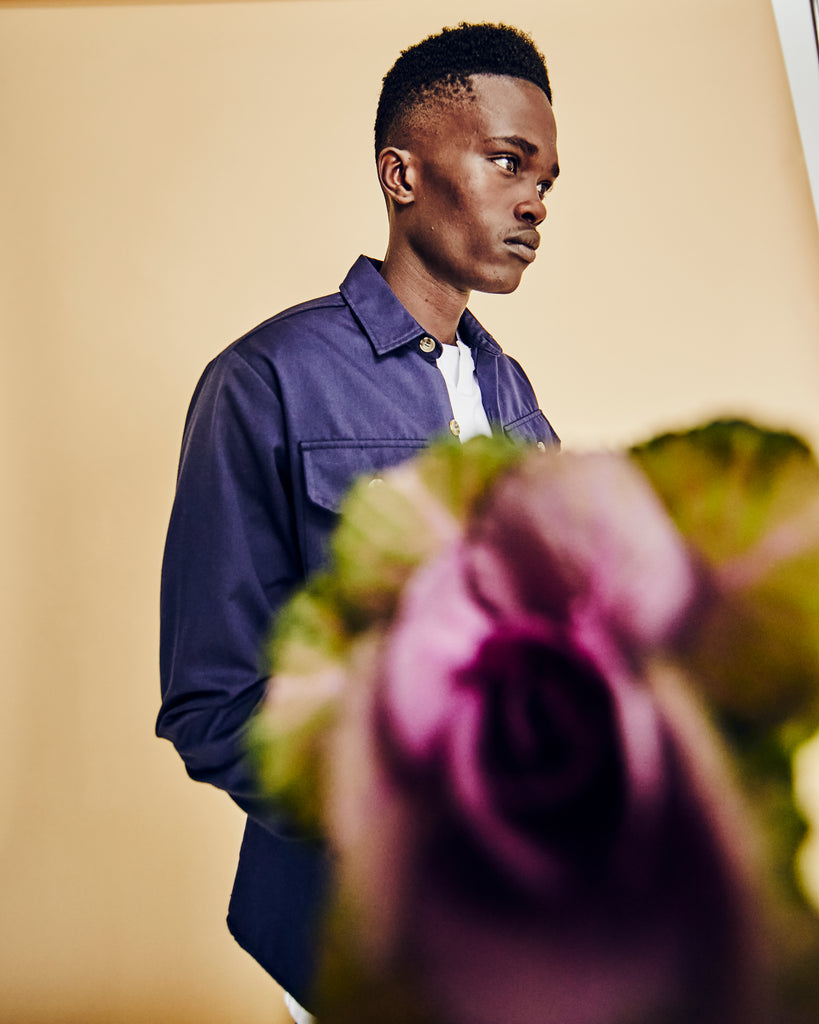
pixel 297 1011
pixel 455 363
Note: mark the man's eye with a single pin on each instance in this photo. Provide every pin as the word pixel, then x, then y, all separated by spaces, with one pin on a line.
pixel 507 163
pixel 544 187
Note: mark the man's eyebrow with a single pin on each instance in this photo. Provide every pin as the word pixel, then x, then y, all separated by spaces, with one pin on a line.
pixel 524 145
pixel 529 148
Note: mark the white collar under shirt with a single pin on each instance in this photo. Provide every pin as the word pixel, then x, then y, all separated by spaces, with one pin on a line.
pixel 458 370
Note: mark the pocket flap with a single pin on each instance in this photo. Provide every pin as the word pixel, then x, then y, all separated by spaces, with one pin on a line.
pixel 533 427
pixel 331 467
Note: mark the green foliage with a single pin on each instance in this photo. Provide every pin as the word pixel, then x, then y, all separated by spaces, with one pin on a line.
pixel 349 991
pixel 288 767
pixel 747 499
pixel 308 629
pixel 765 761
pixel 728 483
pixel 461 475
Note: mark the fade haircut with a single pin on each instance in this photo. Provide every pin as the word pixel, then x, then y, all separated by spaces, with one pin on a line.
pixel 440 66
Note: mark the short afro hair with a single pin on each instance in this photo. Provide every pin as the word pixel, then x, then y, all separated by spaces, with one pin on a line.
pixel 442 64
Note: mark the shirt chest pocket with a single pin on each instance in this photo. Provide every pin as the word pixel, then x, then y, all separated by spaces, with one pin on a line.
pixel 330 468
pixel 533 427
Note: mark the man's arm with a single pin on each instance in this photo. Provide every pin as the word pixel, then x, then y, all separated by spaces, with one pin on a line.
pixel 231 559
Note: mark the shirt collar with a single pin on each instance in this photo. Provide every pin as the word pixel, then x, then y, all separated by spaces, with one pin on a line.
pixel 386 322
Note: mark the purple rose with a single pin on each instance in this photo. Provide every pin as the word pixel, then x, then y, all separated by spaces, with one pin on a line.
pixel 530 817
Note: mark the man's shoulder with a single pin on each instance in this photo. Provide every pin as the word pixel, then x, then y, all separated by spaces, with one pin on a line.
pixel 293 333
pixel 314 314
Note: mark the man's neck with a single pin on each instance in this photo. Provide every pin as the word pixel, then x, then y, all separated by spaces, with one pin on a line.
pixel 437 307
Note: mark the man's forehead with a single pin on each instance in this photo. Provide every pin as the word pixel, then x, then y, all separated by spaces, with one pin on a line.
pixel 503 107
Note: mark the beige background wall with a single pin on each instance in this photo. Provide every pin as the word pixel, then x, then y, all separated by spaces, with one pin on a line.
pixel 172 174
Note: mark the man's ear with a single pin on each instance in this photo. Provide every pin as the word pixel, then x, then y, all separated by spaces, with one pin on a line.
pixel 396 172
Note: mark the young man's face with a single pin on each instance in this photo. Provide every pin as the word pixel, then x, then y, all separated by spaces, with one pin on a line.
pixel 484 164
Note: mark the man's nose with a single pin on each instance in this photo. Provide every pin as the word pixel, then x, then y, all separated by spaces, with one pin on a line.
pixel 532 210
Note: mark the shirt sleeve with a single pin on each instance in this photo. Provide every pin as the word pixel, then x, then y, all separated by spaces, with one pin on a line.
pixel 231 559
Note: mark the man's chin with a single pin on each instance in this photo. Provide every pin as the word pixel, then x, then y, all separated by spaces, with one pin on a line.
pixel 502 286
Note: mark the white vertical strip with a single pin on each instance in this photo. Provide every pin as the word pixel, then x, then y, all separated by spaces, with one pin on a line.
pixel 797 35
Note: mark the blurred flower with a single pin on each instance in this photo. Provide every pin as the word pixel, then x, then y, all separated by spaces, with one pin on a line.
pixel 534 785
pixel 515 658
pixel 560 859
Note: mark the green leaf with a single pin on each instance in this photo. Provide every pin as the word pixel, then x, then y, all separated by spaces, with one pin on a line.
pixel 289 766
pixel 308 630
pixel 385 533
pixel 351 991
pixel 462 474
pixel 730 482
pixel 747 499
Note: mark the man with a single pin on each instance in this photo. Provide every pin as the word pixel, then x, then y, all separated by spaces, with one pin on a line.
pixel 285 418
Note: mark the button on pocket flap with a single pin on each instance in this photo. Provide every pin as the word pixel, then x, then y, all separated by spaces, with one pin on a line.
pixel 331 467
pixel 533 427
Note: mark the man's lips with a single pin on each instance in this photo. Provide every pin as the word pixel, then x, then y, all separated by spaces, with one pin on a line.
pixel 524 244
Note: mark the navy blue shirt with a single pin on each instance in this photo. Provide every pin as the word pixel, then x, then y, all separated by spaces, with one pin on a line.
pixel 280 425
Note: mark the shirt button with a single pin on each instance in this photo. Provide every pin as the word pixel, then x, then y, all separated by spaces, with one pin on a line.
pixel 540 446
pixel 454 427
pixel 427 344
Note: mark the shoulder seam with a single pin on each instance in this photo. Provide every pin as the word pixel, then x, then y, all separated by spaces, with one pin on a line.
pixel 233 351
pixel 336 299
